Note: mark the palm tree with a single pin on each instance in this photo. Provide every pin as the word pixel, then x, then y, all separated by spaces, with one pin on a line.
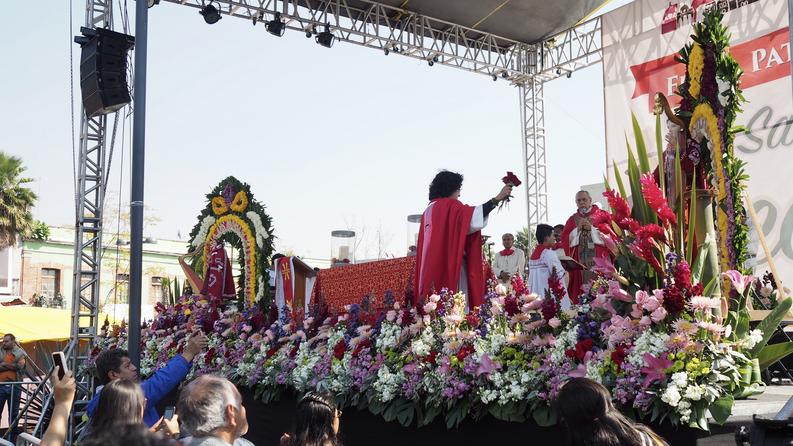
pixel 16 201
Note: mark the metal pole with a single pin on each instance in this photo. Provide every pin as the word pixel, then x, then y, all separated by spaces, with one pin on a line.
pixel 136 199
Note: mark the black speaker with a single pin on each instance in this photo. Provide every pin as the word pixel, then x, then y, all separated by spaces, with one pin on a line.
pixel 103 70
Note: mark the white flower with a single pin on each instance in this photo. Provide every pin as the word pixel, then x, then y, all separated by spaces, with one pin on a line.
pixel 693 393
pixel 671 396
pixel 202 232
pixel 724 87
pixel 754 338
pixel 680 379
pixel 261 232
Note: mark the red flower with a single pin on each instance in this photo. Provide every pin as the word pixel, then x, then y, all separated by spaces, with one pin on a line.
pixel 618 355
pixel 339 349
pixel 472 319
pixel 655 198
pixel 569 353
pixel 430 359
pixel 511 178
pixel 518 286
pixel 651 231
pixel 619 207
pixel 271 352
pixel 464 351
pixel 365 344
pixel 210 355
pixel 549 308
pixel 511 305
pixel 293 352
pixel 581 347
pixel 406 317
pixel 629 224
pixel 673 300
pixel 683 275
pixel 697 289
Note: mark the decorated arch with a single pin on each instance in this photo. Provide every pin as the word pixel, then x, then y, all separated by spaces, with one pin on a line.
pixel 233 216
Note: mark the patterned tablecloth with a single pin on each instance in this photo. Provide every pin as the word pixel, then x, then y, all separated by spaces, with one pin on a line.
pixel 348 284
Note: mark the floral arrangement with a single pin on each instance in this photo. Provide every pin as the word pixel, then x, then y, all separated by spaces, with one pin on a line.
pixel 663 358
pixel 232 215
pixel 711 101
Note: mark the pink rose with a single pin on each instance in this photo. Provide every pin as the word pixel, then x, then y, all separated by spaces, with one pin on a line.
pixel 658 315
pixel 554 322
pixel 645 322
pixel 636 312
pixel 652 304
pixel 390 316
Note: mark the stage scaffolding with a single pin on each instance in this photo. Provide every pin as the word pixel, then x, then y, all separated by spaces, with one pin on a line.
pixel 387 29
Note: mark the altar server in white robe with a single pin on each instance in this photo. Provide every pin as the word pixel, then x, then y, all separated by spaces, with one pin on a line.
pixel 543 262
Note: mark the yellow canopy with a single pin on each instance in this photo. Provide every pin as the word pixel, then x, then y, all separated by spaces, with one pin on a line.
pixel 30 324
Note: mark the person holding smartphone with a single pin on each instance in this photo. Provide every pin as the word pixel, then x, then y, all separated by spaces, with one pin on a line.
pixel 115 364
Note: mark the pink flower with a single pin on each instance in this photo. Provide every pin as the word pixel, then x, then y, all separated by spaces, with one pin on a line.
pixel 604 266
pixel 704 303
pixel 658 315
pixel 654 369
pixel 430 306
pixel 652 303
pixel 618 293
pixel 487 366
pixel 711 327
pixel 636 312
pixel 739 281
pixel 645 322
pixel 579 372
pixel 554 322
pixel 655 198
pixel 390 316
pixel 609 243
pixel 685 327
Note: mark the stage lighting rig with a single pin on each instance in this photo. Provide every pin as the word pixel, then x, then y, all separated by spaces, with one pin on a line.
pixel 210 13
pixel 326 38
pixel 275 26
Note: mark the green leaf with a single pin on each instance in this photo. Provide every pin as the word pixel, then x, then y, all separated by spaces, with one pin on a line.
pixel 692 219
pixel 639 205
pixel 708 291
pixel 679 237
pixel 620 184
pixel 544 416
pixel 659 148
pixel 743 323
pixel 430 413
pixel 641 148
pixel 773 353
pixel 722 408
pixel 698 266
pixel 771 322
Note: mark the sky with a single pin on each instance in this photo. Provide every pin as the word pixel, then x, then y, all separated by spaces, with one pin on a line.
pixel 327 138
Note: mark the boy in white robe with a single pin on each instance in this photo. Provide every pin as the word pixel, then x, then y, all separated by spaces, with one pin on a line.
pixel 543 261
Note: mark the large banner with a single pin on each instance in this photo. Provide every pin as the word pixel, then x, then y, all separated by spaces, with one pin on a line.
pixel 640 41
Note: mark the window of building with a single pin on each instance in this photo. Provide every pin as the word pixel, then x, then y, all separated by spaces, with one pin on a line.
pixel 50 282
pixel 121 291
pixel 5 269
pixel 156 293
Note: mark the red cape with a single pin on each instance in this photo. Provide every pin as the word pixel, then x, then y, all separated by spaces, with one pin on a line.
pixel 218 279
pixel 443 239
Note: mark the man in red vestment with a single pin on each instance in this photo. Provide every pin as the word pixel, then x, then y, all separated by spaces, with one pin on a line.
pixel 449 250
pixel 582 242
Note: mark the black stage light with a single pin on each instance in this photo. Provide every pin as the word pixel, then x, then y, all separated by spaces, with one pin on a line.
pixel 153 2
pixel 430 62
pixel 210 13
pixel 275 26
pixel 435 58
pixel 385 51
pixel 559 71
pixel 495 78
pixel 326 38
pixel 569 74
pixel 504 74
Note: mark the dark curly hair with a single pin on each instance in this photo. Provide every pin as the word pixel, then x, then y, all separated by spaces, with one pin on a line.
pixel 445 184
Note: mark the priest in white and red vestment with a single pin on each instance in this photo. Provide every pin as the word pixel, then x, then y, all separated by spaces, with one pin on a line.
pixel 543 262
pixel 218 283
pixel 509 261
pixel 449 250
pixel 582 242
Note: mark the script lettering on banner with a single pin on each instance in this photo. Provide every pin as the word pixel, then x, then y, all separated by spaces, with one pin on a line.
pixel 640 42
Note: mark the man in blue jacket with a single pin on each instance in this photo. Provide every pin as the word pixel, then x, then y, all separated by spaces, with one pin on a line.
pixel 115 364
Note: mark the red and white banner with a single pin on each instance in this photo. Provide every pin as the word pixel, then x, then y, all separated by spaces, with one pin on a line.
pixel 640 41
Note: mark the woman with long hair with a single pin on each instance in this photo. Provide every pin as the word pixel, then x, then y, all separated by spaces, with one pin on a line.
pixel 120 402
pixel 316 422
pixel 585 407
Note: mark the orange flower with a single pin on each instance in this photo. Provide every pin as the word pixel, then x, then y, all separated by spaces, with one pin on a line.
pixel 219 206
pixel 240 202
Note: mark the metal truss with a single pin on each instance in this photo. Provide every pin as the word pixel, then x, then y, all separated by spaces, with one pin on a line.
pixel 533 132
pixel 92 170
pixel 392 30
pixel 572 50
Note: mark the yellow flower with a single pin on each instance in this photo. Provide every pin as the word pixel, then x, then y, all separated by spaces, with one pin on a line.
pixel 187 312
pixel 219 206
pixel 696 64
pixel 240 202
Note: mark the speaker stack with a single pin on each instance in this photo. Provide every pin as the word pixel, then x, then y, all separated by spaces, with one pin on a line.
pixel 103 70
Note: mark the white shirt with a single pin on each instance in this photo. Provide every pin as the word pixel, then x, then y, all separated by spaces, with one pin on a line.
pixel 540 272
pixel 514 263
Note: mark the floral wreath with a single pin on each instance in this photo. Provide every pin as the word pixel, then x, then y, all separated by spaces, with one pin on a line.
pixel 232 215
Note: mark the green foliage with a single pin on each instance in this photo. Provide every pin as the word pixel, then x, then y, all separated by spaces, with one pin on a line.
pixel 769 325
pixel 16 201
pixel 721 409
pixel 41 231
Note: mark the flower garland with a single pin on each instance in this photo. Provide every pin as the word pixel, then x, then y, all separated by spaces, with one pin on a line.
pixel 696 65
pixel 704 124
pixel 232 215
pixel 233 224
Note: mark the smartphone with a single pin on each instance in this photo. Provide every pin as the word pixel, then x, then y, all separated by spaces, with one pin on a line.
pixel 169 411
pixel 59 359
